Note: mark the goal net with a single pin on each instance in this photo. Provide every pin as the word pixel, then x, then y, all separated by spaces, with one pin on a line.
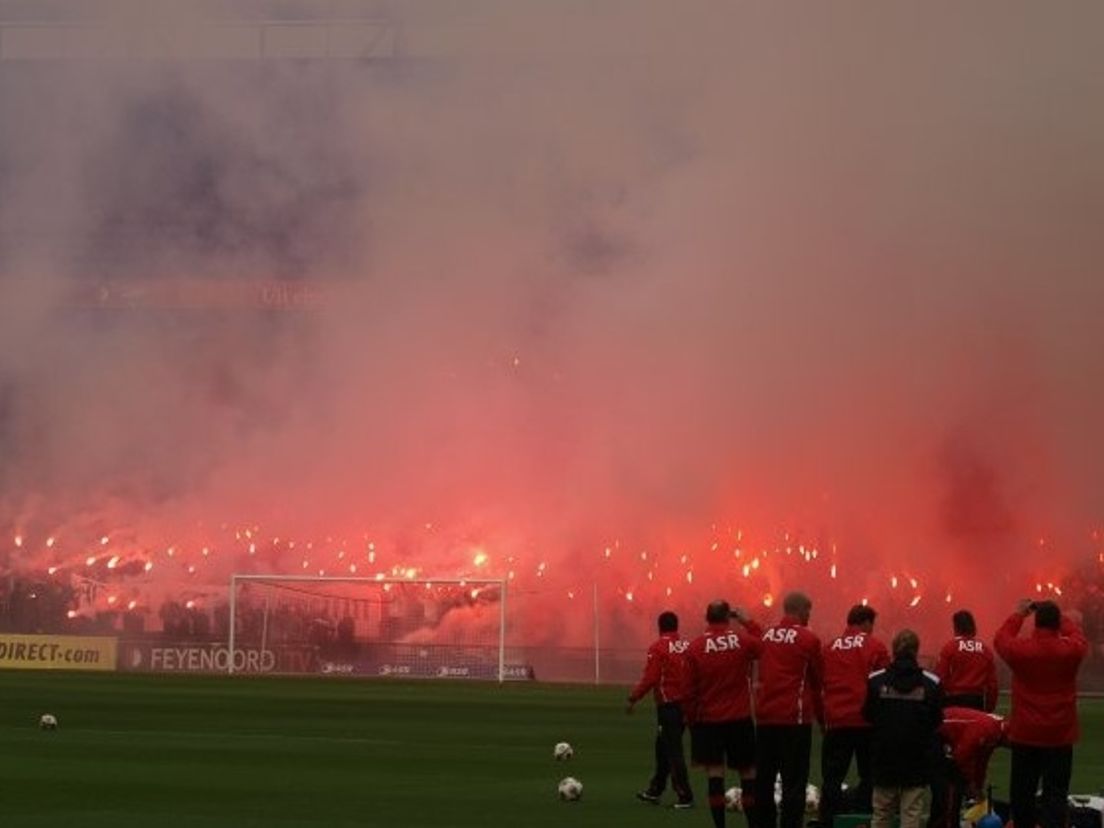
pixel 428 628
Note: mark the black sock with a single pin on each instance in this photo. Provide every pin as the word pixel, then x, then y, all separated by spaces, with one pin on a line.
pixel 717 800
pixel 747 801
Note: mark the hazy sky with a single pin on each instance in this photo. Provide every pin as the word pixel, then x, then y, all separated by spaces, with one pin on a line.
pixel 594 270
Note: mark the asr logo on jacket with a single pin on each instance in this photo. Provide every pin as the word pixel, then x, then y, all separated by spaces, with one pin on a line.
pixel 677 646
pixel 781 635
pixel 971 647
pixel 849 642
pixel 722 643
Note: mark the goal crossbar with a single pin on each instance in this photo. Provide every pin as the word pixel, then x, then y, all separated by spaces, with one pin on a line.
pixel 235 580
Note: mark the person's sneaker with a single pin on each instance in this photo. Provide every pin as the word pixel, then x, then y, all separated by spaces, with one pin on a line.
pixel 648 796
pixel 683 804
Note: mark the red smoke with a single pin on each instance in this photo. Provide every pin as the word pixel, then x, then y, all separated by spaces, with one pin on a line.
pixel 708 288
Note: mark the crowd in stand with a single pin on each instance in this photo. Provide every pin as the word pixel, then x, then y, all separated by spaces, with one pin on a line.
pixel 30 605
pixel 48 605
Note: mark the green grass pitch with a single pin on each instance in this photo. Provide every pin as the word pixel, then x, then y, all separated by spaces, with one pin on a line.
pixel 168 751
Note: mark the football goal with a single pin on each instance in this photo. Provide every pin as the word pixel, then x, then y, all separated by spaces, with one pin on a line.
pixel 401 627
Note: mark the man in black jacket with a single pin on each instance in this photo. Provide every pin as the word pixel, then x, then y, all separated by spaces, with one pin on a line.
pixel 904 705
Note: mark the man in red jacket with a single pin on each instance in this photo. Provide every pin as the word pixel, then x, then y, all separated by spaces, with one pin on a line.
pixel 1044 725
pixel 666 674
pixel 849 660
pixel 719 705
pixel 966 667
pixel 969 738
pixel 789 699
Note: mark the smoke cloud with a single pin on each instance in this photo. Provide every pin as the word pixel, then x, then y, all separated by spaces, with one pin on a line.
pixel 634 293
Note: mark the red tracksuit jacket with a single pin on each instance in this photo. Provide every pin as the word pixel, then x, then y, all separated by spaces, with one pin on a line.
pixel 972 735
pixel 720 673
pixel 966 665
pixel 1044 681
pixel 790 671
pixel 666 672
pixel 849 659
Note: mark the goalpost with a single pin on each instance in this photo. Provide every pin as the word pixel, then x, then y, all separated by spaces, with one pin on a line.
pixel 407 627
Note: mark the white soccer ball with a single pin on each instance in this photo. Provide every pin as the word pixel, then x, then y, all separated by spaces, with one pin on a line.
pixel 48 722
pixel 732 799
pixel 562 751
pixel 570 789
pixel 812 799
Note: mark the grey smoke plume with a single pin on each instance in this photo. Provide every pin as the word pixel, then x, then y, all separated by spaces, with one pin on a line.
pixel 589 271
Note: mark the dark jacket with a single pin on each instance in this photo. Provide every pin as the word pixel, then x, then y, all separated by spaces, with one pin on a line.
pixel 904 706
